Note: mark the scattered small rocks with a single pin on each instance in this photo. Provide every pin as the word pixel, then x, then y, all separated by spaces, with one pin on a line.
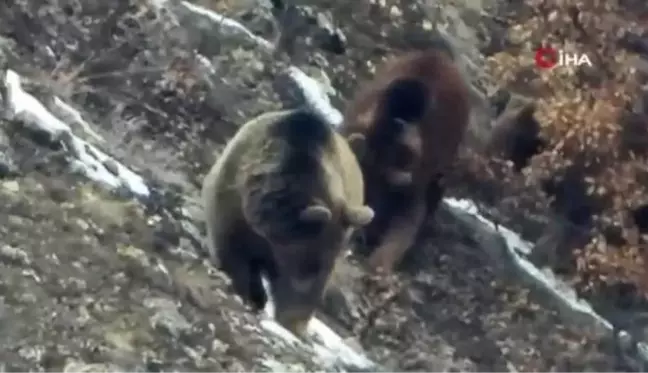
pixel 82 367
pixel 166 316
pixel 8 167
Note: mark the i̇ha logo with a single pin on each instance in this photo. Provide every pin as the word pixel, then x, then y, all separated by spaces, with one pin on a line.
pixel 548 58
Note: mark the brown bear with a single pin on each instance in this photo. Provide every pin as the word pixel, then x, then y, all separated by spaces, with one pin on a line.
pixel 282 201
pixel 405 127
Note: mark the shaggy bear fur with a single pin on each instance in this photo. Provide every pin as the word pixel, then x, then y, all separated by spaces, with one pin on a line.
pixel 405 127
pixel 282 201
pixel 515 135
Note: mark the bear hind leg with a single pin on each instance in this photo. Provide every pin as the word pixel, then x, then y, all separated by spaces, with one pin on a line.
pixel 245 275
pixel 399 237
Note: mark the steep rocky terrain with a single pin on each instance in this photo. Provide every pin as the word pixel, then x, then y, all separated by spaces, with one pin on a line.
pixel 112 113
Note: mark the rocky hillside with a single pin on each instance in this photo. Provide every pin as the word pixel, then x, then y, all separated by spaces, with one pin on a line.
pixel 112 113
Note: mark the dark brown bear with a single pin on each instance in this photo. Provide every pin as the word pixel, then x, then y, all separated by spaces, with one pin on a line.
pixel 282 201
pixel 405 127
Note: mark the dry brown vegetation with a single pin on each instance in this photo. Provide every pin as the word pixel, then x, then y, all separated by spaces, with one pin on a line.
pixel 594 128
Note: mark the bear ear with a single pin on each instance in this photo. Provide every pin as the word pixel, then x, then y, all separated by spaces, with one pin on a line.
pixel 315 213
pixel 359 216
pixel 358 144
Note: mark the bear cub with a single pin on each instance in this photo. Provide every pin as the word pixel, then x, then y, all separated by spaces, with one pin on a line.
pixel 282 201
pixel 406 126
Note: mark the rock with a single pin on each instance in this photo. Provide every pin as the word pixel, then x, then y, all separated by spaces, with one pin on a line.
pixel 8 166
pixel 14 254
pixel 330 38
pixel 76 366
pixel 167 317
pixel 11 186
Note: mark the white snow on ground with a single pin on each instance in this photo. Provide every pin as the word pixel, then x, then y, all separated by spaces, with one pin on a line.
pixel 315 96
pixel 512 239
pixel 228 25
pixel 517 245
pixel 327 345
pixel 76 117
pixel 25 107
pixel 561 290
pixel 89 160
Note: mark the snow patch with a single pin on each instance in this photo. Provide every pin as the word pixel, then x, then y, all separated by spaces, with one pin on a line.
pixel 228 25
pixel 26 108
pixel 515 246
pixel 76 117
pixel 89 160
pixel 331 346
pixel 325 344
pixel 512 239
pixel 315 96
